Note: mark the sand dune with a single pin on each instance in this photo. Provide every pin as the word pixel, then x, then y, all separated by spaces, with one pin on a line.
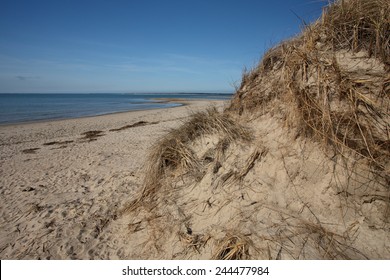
pixel 298 166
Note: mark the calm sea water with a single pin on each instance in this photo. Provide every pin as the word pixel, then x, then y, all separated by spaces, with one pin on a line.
pixel 17 108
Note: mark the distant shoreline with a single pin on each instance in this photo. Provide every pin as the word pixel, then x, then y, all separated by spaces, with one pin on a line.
pixel 91 116
pixel 183 103
pixel 116 104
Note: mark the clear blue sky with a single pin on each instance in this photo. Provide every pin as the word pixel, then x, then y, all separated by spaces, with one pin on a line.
pixel 139 45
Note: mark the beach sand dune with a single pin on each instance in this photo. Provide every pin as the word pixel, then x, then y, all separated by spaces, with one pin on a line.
pixel 63 182
pixel 297 167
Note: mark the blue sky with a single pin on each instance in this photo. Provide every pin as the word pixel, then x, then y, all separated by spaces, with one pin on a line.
pixel 139 46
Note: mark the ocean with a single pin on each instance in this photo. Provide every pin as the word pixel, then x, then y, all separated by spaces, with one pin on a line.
pixel 32 107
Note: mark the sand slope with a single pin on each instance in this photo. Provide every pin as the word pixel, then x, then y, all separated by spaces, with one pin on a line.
pixel 274 197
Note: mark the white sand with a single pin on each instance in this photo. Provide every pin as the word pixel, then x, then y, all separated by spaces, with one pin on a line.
pixel 60 201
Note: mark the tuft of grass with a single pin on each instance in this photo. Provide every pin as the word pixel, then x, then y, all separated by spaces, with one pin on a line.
pixel 359 25
pixel 232 247
pixel 173 151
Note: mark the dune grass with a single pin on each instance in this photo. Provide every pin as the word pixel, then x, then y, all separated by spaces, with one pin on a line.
pixel 347 108
pixel 359 25
pixel 173 151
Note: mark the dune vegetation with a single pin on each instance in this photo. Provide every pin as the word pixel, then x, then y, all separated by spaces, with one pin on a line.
pixel 297 166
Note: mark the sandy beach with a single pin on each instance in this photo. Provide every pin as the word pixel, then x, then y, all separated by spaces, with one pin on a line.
pixel 63 182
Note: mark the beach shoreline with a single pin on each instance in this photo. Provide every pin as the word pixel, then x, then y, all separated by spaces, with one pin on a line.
pixel 178 101
pixel 63 181
pixel 28 108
